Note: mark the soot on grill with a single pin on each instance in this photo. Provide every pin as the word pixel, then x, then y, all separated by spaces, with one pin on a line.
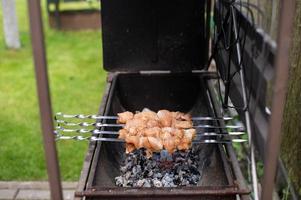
pixel 161 170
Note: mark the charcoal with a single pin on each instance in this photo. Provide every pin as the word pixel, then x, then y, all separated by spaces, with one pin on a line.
pixel 167 180
pixel 179 159
pixel 153 163
pixel 158 175
pixel 123 169
pixel 161 170
pixel 119 180
pixel 184 183
pixel 140 183
pixel 128 175
pixel 143 183
pixel 157 183
pixel 136 169
pixel 150 173
pixel 129 183
pixel 194 179
pixel 147 183
pixel 165 156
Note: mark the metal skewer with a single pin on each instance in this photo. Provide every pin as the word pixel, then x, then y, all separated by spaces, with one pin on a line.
pixel 219 127
pixel 81 116
pixel 218 141
pixel 210 118
pixel 96 132
pixel 87 124
pixel 94 138
pixel 99 125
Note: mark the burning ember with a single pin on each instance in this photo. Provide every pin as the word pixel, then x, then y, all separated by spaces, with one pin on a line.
pixel 161 170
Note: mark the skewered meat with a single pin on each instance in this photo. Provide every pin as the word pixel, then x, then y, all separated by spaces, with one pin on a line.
pixel 146 115
pixel 144 142
pixel 181 124
pixel 133 140
pixel 152 123
pixel 139 124
pixel 123 133
pixel 156 131
pixel 124 117
pixel 165 118
pixel 155 143
pixel 187 139
pixel 129 148
pixel 181 116
pixel 152 132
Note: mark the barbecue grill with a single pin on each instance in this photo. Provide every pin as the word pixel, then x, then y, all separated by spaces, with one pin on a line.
pixel 156 91
pixel 157 53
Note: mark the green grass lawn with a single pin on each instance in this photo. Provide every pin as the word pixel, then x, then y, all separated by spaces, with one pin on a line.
pixel 77 81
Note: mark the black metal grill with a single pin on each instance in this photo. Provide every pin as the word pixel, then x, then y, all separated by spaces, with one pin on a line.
pixel 155 52
pixel 183 92
pixel 157 49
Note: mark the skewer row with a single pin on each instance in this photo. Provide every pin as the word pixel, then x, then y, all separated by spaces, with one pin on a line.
pixel 202 137
pixel 60 129
pixel 81 116
pixel 99 125
pixel 94 138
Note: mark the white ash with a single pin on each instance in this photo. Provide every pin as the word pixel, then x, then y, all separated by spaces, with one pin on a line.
pixel 161 170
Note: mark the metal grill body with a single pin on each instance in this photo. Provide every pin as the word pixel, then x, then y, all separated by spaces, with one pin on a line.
pixel 132 91
pixel 156 53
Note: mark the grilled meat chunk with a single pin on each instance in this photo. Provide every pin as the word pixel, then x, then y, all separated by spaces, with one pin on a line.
pixel 124 117
pixel 156 131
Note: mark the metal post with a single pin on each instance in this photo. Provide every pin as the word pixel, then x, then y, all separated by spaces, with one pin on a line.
pixel 279 96
pixel 247 113
pixel 37 37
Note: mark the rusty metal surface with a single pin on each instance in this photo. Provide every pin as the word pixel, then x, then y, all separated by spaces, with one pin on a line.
pixel 92 146
pixel 40 63
pixel 231 153
pixel 161 192
pixel 279 96
pixel 108 101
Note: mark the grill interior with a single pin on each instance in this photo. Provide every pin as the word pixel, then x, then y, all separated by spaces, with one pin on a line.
pixel 181 92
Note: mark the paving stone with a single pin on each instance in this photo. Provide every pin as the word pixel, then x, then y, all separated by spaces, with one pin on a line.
pixel 7 194
pixel 33 194
pixel 41 194
pixel 33 185
pixel 68 194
